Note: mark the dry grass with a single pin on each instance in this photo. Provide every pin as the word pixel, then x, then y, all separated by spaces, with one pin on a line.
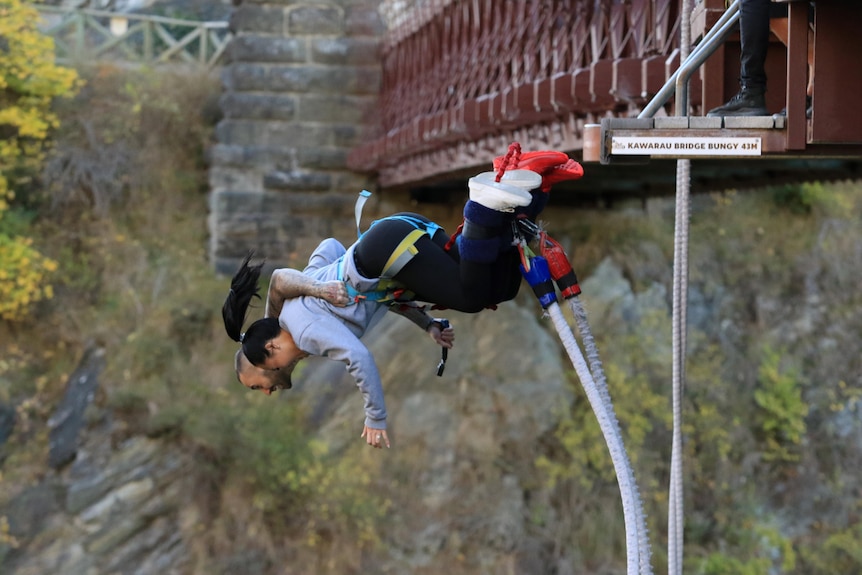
pixel 121 210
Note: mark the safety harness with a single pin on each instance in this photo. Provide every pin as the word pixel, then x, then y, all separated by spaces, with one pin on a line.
pixel 389 290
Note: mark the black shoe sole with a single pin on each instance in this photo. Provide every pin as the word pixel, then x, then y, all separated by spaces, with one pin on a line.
pixel 738 113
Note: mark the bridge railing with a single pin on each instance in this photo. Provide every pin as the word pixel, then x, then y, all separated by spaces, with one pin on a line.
pixel 83 34
pixel 461 70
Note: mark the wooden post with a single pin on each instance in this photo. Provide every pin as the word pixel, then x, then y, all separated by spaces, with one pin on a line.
pixel 202 55
pixel 797 68
pixel 148 41
pixel 80 37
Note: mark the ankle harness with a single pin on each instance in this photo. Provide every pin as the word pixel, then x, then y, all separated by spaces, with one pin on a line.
pixel 389 290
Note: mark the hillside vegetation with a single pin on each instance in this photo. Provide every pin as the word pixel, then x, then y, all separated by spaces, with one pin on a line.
pixel 774 381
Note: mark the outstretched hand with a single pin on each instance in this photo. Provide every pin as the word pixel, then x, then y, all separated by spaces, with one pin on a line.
pixel 444 337
pixel 375 437
pixel 335 292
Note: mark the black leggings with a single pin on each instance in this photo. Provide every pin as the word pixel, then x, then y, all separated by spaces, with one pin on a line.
pixel 438 276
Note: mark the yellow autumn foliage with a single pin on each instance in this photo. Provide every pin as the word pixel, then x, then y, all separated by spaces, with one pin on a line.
pixel 22 276
pixel 29 81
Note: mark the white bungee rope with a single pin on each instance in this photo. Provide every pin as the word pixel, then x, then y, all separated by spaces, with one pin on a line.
pixel 637 543
pixel 680 288
pixel 675 526
pixel 598 373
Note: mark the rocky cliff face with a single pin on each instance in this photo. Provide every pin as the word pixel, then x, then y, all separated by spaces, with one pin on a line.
pixel 116 509
pixel 464 490
pixel 464 439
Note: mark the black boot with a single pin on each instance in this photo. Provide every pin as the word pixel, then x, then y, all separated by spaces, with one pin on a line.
pixel 748 102
pixel 808 108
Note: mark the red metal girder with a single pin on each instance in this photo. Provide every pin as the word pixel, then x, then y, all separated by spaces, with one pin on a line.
pixel 617 36
pixel 563 99
pixel 483 112
pixel 626 79
pixel 713 77
pixel 671 63
pixel 543 96
pixel 472 118
pixel 461 70
pixel 704 15
pixel 638 25
pixel 601 81
pixel 497 108
pixel 521 106
pixel 583 92
pixel 797 64
pixel 837 82
pixel 653 76
pixel 456 127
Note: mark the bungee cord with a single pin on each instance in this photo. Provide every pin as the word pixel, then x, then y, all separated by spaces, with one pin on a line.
pixel 607 424
pixel 680 288
pixel 675 527
pixel 538 274
pixel 597 371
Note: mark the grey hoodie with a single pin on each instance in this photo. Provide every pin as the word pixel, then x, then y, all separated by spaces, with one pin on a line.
pixel 322 329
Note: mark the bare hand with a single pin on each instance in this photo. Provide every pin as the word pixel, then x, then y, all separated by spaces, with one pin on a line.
pixel 335 292
pixel 445 337
pixel 375 437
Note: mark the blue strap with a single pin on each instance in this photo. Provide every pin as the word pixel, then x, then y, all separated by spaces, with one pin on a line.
pixel 380 295
pixel 428 227
pixel 357 209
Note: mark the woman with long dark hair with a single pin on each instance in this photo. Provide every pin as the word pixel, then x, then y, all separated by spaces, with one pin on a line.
pixel 399 261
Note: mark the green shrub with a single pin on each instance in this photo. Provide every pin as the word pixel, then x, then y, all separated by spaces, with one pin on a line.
pixel 297 483
pixel 841 552
pixel 781 410
pixel 753 549
pixel 796 198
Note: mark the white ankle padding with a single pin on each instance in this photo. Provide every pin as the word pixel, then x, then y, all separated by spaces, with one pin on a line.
pixel 500 196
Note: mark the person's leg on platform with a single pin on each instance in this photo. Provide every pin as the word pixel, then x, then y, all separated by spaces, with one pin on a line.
pixel 754 40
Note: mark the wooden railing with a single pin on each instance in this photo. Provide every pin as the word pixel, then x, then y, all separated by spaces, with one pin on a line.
pixel 83 34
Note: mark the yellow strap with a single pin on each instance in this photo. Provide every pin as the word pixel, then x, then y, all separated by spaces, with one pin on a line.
pixel 406 245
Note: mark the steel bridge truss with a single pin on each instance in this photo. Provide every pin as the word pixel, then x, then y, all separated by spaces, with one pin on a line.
pixel 463 78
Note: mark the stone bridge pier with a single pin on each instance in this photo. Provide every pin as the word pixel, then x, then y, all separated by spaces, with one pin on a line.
pixel 300 87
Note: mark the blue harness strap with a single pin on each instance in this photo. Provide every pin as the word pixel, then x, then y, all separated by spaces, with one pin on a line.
pixel 389 289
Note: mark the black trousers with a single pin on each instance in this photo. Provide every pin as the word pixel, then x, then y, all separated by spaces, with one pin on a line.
pixel 754 39
pixel 754 18
pixel 438 276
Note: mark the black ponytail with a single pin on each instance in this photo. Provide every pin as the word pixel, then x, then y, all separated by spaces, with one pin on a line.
pixel 243 287
pixel 257 336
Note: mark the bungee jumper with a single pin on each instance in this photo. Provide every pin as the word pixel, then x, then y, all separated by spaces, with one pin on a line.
pixel 404 259
pixel 402 263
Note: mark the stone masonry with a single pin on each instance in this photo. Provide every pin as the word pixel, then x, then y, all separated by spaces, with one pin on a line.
pixel 300 88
